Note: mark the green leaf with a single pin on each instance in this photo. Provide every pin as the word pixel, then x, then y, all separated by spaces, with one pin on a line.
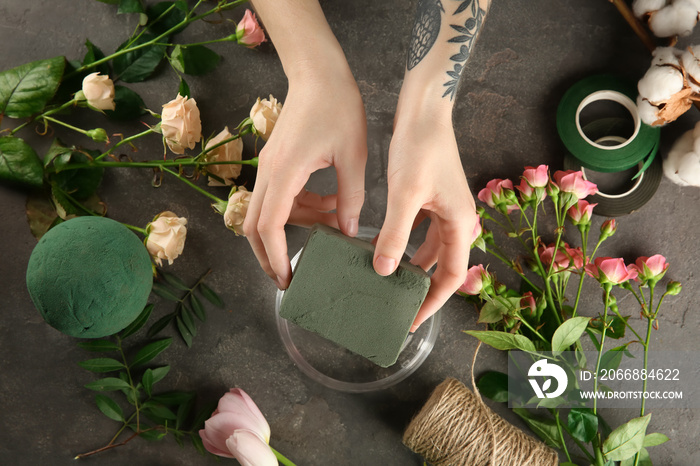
pixel 172 398
pixel 492 312
pixel 644 459
pixel 138 65
pixel 101 365
pixel 159 410
pixel 147 381
pixel 25 90
pixel 164 292
pixel 616 329
pixel 128 105
pixel 503 340
pixel 582 424
pixel 159 325
pixel 150 351
pixel 80 183
pixel 210 295
pixel 188 320
pixel 203 415
pixel 612 358
pixel 109 2
pixel 184 89
pixel 130 6
pixel 93 54
pixel 108 384
pixel 494 385
pixel 195 60
pixel 170 20
pixel 98 345
pixel 652 440
pixel 198 444
pixel 567 463
pixel 139 322
pixel 173 280
pixel 41 214
pixel 152 435
pixel 109 407
pixel 183 412
pixel 546 429
pixel 627 439
pixel 159 373
pixel 19 163
pixel 568 333
pixel 197 307
pixel 184 332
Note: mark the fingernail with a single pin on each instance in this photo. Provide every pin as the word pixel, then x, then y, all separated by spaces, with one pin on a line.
pixel 281 283
pixel 351 227
pixel 384 265
pixel 413 329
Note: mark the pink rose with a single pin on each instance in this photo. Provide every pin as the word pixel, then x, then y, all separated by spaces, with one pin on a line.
pixel 249 32
pixel 530 194
pixel 608 228
pixel 477 231
pixel 237 429
pixel 609 270
pixel 580 213
pixel 565 258
pixel 477 279
pixel 528 302
pixel 536 177
pixel 650 268
pixel 572 182
pixel 499 194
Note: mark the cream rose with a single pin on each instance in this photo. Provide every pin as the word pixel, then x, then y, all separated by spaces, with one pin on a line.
pixel 166 237
pixel 264 115
pixel 237 209
pixel 230 151
pixel 180 124
pixel 99 91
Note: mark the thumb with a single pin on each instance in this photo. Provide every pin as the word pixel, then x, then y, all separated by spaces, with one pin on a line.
pixel 351 193
pixel 393 236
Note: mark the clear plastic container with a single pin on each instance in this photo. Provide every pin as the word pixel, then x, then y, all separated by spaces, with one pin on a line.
pixel 340 369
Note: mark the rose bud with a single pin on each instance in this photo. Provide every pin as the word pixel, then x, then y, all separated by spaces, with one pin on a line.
pixel 610 271
pixel 166 237
pixel 180 124
pixel 249 32
pixel 236 210
pixel 231 151
pixel 99 91
pixel 264 115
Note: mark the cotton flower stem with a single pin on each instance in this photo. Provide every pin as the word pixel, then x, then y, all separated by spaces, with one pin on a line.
pixel 42 115
pixel 635 24
pixel 191 185
pixel 124 141
pixel 281 458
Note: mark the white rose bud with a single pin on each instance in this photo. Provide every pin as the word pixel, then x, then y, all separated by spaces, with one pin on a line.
pixel 237 209
pixel 230 151
pixel 166 237
pixel 99 91
pixel 180 124
pixel 264 115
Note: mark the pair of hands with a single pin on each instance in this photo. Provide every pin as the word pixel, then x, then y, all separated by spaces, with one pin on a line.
pixel 323 124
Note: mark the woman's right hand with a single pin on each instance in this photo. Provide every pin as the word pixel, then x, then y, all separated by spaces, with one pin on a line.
pixel 322 124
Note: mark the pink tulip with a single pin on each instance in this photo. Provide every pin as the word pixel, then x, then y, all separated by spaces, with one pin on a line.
pixel 566 257
pixel 536 177
pixel 609 270
pixel 497 193
pixel 651 268
pixel 249 32
pixel 237 429
pixel 477 279
pixel 580 213
pixel 572 182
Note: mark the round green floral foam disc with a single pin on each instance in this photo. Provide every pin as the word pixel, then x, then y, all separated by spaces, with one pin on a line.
pixel 89 277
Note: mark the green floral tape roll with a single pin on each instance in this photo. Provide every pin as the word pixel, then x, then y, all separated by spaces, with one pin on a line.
pixel 589 150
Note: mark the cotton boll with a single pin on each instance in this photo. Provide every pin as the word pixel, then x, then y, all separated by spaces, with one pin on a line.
pixel 647 112
pixel 689 169
pixel 691 61
pixel 695 3
pixel 665 56
pixel 660 83
pixel 642 7
pixel 680 148
pixel 679 18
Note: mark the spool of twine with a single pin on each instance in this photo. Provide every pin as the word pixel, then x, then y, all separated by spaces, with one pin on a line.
pixel 456 428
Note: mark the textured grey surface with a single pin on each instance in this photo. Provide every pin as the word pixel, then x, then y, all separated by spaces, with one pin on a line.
pixel 527 56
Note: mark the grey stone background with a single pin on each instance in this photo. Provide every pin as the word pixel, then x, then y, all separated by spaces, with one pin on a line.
pixel 528 55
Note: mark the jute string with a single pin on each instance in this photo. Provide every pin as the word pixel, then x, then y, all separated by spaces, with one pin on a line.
pixel 456 428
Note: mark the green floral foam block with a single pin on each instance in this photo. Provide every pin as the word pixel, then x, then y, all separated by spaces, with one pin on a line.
pixel 336 293
pixel 89 277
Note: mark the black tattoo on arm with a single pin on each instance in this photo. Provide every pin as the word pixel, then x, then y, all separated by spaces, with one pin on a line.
pixel 467 35
pixel 425 30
